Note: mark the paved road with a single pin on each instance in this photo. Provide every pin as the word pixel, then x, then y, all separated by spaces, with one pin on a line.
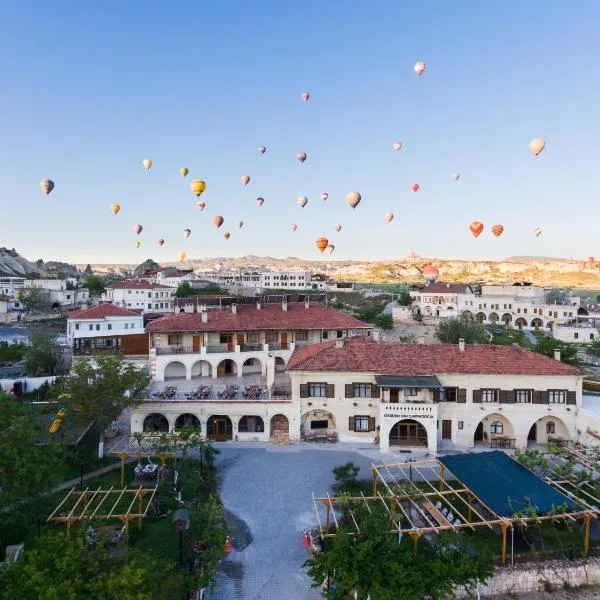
pixel 270 489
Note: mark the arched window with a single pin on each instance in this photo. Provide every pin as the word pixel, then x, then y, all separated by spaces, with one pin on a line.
pixel 497 427
pixel 550 427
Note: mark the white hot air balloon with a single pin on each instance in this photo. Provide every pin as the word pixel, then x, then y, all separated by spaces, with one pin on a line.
pixel 537 232
pixel 302 201
pixel 419 67
pixel 353 199
pixel 536 145
pixel 455 176
pixel 293 226
pixel 324 196
pixel 397 146
pixel 338 227
pixel 147 164
pixel 388 217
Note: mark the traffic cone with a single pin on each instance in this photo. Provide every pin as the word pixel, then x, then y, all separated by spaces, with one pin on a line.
pixel 306 540
pixel 228 545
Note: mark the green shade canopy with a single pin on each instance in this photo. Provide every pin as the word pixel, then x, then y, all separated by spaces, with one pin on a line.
pixel 416 381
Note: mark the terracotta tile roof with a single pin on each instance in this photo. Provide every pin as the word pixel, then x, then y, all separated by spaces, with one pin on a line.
pixel 249 318
pixel 364 355
pixel 103 310
pixel 138 285
pixel 442 288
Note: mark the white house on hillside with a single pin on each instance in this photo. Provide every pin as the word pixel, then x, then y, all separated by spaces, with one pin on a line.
pixel 141 295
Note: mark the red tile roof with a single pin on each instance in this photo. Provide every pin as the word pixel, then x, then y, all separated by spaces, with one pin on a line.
pixel 138 285
pixel 103 310
pixel 249 318
pixel 442 288
pixel 364 355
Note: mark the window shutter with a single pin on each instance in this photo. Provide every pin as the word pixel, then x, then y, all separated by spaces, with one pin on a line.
pixel 461 395
pixel 540 397
pixel 372 426
pixel 436 395
pixel 571 397
pixel 329 390
pixel 304 390
pixel 507 396
pixel 349 390
pixel 477 396
pixel 351 424
pixel 375 391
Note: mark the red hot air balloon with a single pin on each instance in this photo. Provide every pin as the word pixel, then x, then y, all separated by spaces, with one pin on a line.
pixel 322 243
pixel 218 220
pixel 497 230
pixel 476 228
pixel 201 205
pixel 415 187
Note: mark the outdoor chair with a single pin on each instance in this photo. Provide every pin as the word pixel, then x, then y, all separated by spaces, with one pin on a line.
pixel 450 517
pixel 438 505
pixel 445 511
pixel 457 522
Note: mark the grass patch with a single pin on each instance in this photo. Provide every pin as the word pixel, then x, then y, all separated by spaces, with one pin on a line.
pixel 506 337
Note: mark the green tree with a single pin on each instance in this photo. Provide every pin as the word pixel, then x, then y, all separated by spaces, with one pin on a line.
pixel 34 300
pixel 568 352
pixel 594 348
pixel 374 565
pixel 465 327
pixel 11 353
pixel 94 283
pixel 405 299
pixel 59 568
pixel 44 355
pixel 184 290
pixel 557 296
pixel 384 321
pixel 102 389
pixel 346 474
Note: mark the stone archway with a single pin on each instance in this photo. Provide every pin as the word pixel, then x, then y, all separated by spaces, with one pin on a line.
pixel 317 419
pixel 493 318
pixel 408 433
pixel 507 319
pixel 227 368
pixel 537 323
pixel 202 368
pixel 219 428
pixel 480 316
pixel 251 365
pixel 187 420
pixel 520 323
pixel 494 425
pixel 279 364
pixel 548 429
pixel 155 423
pixel 280 427
pixel 175 370
pixel 251 424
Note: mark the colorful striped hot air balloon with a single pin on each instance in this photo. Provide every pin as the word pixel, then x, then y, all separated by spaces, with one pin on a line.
pixel 476 228
pixel 497 230
pixel 322 243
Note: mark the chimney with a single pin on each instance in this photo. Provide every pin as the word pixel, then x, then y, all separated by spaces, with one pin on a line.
pixel 421 339
pixel 376 336
pixel 205 316
pixel 307 304
pixel 557 354
pixel 461 345
pixel 284 305
pixel 258 306
pixel 339 343
pixel 234 309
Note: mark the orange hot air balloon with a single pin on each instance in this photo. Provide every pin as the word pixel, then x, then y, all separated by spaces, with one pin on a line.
pixel 293 226
pixel 115 208
pixel 197 186
pixel 322 243
pixel 302 201
pixel 218 220
pixel 497 230
pixel 260 201
pixel 476 228
pixel 226 235
pixel 245 179
pixel 160 242
pixel 301 156
pixel 201 205
pixel 353 199
pixel 415 187
pixel 262 149
pixel 338 227
pixel 138 229
pixel 187 232
pixel 305 96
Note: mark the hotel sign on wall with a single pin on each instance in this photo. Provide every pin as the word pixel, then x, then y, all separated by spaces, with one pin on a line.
pixel 412 411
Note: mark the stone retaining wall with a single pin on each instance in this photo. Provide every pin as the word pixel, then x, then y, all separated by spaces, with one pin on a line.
pixel 538 577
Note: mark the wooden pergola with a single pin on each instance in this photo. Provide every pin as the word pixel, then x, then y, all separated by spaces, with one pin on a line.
pixel 99 504
pixel 414 509
pixel 143 448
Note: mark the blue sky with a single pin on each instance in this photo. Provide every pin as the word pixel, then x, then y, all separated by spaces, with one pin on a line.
pixel 89 89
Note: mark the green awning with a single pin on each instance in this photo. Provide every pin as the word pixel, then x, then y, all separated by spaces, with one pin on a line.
pixel 417 381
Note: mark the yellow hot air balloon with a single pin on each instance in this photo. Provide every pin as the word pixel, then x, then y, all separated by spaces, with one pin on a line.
pixel 46 185
pixel 115 208
pixel 353 199
pixel 138 244
pixel 388 217
pixel 322 243
pixel 138 229
pixel 181 256
pixel 147 163
pixel 536 145
pixel 218 220
pixel 184 171
pixel 397 146
pixel 226 235
pixel 302 201
pixel 245 179
pixel 197 186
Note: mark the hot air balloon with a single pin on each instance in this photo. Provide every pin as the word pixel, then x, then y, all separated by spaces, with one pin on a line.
pixel 430 273
pixel 338 227
pixel 160 242
pixel 181 256
pixel 245 179
pixel 353 199
pixel 322 243
pixel 184 171
pixel 397 146
pixel 324 196
pixel 226 235
pixel 46 185
pixel 330 248
pixel 115 208
pixel 415 187
pixel 305 96
pixel 388 217
pixel 138 229
pixel 197 186
pixel 187 233
pixel 260 201
pixel 218 220
pixel 537 232
pixel 301 156
pixel 302 201
pixel 293 226
pixel 419 67
pixel 240 224
pixel 497 230
pixel 262 149
pixel 476 228
pixel 456 176
pixel 201 205
pixel 536 145
pixel 138 244
pixel 147 163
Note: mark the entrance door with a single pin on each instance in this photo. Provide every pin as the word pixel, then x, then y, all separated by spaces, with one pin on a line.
pixel 284 341
pixel 240 340
pixel 196 343
pixel 446 429
pixel 408 433
pixel 478 437
pixel 532 436
pixel 394 395
pixel 219 428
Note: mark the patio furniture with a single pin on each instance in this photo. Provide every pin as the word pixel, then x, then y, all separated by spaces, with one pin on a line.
pixel 332 437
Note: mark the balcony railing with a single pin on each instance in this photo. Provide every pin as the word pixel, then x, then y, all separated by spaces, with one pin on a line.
pixel 96 351
pixel 232 393
pixel 174 350
pixel 251 348
pixel 278 346
pixel 215 349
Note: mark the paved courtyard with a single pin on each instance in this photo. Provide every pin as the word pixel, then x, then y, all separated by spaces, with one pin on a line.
pixel 269 488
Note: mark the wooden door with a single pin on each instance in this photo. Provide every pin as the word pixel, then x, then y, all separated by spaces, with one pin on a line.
pixel 196 343
pixel 446 429
pixel 284 340
pixel 394 395
pixel 240 340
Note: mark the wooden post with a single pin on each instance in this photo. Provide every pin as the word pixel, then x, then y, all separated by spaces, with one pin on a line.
pixel 69 528
pixel 140 501
pixel 504 530
pixel 586 542
pixel 374 474
pixel 470 509
pixel 415 538
pixel 122 455
pixel 327 519
pixel 441 477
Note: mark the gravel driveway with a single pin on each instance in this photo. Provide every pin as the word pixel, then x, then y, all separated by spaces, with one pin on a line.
pixel 269 488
